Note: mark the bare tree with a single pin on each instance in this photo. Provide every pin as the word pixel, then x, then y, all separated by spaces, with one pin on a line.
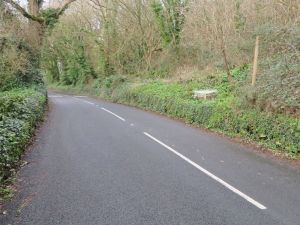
pixel 37 22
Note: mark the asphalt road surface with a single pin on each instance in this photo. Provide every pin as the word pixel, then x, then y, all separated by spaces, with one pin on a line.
pixel 96 162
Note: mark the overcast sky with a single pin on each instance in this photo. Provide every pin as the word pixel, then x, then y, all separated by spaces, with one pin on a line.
pixel 24 2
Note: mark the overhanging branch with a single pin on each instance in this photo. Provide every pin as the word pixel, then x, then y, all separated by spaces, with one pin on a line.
pixel 23 11
pixel 64 7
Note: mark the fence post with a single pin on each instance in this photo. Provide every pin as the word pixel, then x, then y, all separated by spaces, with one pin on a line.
pixel 254 71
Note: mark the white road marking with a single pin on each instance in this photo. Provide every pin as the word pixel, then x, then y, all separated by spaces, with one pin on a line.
pixel 80 96
pixel 91 103
pixel 233 189
pixel 119 117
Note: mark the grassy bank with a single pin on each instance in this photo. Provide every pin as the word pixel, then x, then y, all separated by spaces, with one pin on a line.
pixel 226 113
pixel 20 111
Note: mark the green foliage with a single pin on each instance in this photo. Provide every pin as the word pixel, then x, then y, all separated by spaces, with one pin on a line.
pixel 170 19
pixel 108 84
pixel 241 72
pixel 167 38
pixel 76 70
pixel 6 193
pixel 19 112
pixel 65 61
pixel 161 22
pixel 279 84
pixel 239 18
pixel 50 17
pixel 222 114
pixel 130 40
pixel 19 64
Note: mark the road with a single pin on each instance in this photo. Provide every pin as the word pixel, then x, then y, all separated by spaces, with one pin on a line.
pixel 96 162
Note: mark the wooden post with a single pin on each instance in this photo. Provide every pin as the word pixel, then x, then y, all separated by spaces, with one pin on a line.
pixel 254 71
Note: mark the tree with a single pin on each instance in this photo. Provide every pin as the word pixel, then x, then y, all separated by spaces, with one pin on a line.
pixel 170 19
pixel 39 19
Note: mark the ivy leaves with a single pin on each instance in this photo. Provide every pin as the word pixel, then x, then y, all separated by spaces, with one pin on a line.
pixel 50 16
pixel 19 112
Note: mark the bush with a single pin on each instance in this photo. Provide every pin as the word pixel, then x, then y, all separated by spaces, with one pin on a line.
pixel 19 64
pixel 20 110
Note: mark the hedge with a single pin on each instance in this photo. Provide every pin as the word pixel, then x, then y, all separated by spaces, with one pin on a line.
pixel 20 110
pixel 275 131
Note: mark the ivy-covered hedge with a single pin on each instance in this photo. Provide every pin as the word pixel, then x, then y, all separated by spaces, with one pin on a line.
pixel 20 110
pixel 273 131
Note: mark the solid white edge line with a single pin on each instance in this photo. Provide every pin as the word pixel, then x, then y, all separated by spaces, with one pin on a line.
pixel 119 117
pixel 55 96
pixel 233 189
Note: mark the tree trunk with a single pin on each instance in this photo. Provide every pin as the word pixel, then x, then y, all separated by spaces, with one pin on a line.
pixel 35 28
pixel 37 25
pixel 223 49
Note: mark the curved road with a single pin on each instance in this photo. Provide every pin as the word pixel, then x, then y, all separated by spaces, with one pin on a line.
pixel 101 163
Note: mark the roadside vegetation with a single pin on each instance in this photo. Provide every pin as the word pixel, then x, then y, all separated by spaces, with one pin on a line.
pixel 20 110
pixel 154 54
pixel 22 97
pixel 23 94
pixel 225 114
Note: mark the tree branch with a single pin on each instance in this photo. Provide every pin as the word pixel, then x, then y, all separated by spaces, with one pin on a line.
pixel 64 7
pixel 23 11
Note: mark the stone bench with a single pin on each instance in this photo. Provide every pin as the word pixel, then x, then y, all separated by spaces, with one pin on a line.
pixel 205 94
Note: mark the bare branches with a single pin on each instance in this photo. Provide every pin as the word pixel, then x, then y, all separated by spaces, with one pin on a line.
pixel 24 12
pixel 64 7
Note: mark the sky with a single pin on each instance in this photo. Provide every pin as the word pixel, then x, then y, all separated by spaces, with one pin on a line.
pixel 24 2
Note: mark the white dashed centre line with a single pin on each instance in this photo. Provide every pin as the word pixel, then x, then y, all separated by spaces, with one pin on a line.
pixel 106 110
pixel 228 186
pixel 91 103
pixel 119 117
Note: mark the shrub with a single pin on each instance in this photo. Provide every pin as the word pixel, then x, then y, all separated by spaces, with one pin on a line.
pixel 20 111
pixel 19 64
